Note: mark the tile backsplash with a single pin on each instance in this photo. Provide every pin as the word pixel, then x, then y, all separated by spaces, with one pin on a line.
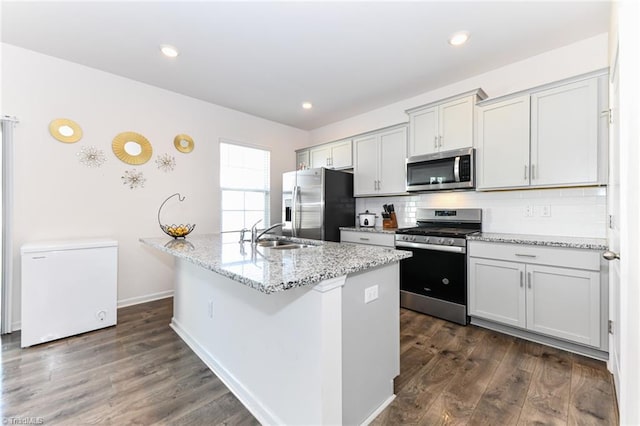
pixel 575 212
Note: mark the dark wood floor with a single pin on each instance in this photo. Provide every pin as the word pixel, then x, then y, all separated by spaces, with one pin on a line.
pixel 472 376
pixel 140 372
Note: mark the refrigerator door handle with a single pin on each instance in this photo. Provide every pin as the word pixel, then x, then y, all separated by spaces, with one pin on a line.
pixel 294 212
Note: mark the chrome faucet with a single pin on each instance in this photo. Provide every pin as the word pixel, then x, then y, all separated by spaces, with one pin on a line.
pixel 255 236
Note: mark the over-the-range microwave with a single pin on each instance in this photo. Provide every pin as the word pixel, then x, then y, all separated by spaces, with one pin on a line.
pixel 442 171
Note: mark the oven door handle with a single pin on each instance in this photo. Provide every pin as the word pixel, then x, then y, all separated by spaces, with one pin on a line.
pixel 435 247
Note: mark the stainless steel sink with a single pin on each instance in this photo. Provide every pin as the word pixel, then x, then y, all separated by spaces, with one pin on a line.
pixel 281 244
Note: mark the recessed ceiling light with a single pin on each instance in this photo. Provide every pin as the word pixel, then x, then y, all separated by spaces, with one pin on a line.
pixel 459 38
pixel 307 105
pixel 169 51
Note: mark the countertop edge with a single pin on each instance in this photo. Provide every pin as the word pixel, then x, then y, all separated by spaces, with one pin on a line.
pixel 542 240
pixel 282 286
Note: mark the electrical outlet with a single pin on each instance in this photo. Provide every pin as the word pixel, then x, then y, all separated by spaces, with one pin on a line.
pixel 370 294
pixel 528 211
pixel 545 211
pixel 210 309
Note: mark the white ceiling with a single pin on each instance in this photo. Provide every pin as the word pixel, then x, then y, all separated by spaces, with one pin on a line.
pixel 266 58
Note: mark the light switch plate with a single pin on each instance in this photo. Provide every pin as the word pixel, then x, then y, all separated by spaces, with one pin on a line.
pixel 370 294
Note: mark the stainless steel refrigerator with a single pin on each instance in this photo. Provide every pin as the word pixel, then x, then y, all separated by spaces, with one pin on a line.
pixel 316 203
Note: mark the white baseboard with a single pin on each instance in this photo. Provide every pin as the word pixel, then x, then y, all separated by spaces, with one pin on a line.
pixel 251 403
pixel 379 410
pixel 17 325
pixel 146 298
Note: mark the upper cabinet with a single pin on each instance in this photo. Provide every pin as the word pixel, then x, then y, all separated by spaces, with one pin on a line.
pixel 379 162
pixel 555 136
pixel 302 159
pixel 333 155
pixel 444 125
pixel 502 148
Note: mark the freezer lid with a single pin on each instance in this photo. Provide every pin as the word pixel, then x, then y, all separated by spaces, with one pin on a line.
pixel 59 245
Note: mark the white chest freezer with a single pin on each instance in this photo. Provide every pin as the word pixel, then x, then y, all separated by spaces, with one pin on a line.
pixel 68 287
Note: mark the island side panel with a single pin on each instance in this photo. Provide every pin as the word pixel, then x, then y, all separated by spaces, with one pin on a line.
pixel 266 348
pixel 371 342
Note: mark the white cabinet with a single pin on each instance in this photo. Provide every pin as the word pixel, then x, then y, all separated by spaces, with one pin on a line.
pixel 379 162
pixel 302 159
pixel 554 136
pixel 502 151
pixel 335 155
pixel 443 126
pixel 368 237
pixel 564 134
pixel 555 292
pixel 496 291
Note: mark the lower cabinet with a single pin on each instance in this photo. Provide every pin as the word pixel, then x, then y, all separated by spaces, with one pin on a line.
pixel 556 292
pixel 371 238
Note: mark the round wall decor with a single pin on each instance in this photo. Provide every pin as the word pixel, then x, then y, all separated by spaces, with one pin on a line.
pixel 183 143
pixel 132 148
pixel 65 130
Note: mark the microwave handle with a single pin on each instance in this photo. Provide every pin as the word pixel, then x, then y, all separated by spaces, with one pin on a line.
pixel 456 169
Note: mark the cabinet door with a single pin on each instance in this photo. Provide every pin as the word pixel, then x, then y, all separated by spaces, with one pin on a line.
pixel 456 124
pixel 496 291
pixel 365 165
pixel 564 303
pixel 341 154
pixel 302 159
pixel 423 132
pixel 502 151
pixel 392 172
pixel 320 157
pixel 564 134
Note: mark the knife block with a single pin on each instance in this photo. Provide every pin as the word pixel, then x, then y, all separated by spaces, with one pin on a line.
pixel 391 222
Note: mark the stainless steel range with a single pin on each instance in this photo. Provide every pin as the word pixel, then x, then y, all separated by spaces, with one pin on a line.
pixel 434 280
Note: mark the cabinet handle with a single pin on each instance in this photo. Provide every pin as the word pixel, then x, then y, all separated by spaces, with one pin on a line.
pixel 525 172
pixel 526 255
pixel 533 171
pixel 521 279
pixel 364 239
pixel 435 142
pixel 610 255
pixel 440 139
pixel 529 278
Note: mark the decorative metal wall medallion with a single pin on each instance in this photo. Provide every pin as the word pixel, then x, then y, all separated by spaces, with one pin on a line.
pixel 133 178
pixel 183 143
pixel 132 148
pixel 166 162
pixel 65 130
pixel 91 156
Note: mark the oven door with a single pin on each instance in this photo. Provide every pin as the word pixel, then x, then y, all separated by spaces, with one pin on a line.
pixel 434 273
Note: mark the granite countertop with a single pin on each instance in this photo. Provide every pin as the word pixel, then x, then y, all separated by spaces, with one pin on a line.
pixel 272 270
pixel 541 240
pixel 369 229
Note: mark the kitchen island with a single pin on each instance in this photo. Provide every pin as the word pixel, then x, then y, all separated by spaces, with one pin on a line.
pixel 306 335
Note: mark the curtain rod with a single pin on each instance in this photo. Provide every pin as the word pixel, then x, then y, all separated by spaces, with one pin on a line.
pixel 11 118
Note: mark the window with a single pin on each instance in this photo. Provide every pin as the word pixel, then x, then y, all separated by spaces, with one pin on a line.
pixel 244 182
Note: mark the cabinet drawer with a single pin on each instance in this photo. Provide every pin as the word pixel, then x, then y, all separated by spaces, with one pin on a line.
pixel 370 238
pixel 553 256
